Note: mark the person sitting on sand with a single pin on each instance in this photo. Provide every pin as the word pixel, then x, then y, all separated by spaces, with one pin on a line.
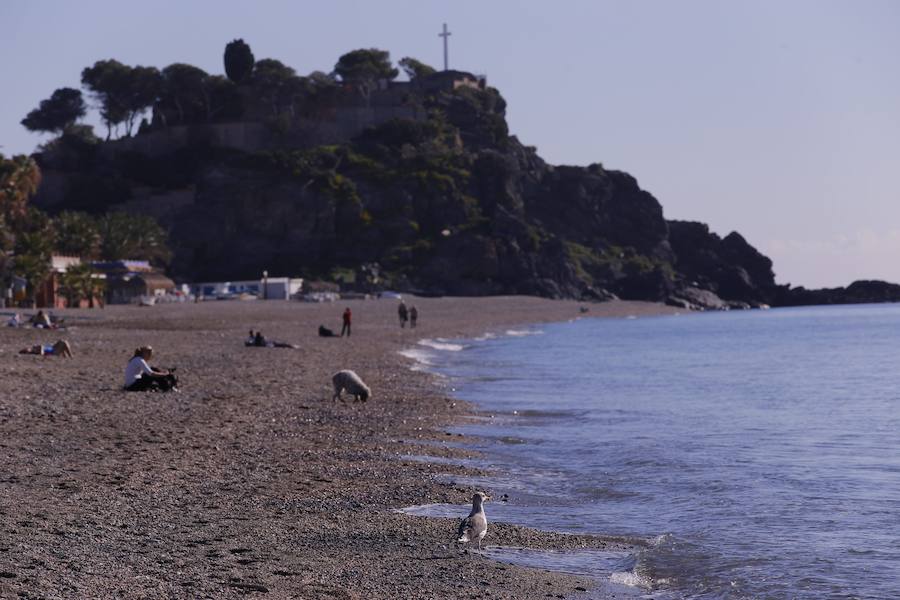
pixel 14 321
pixel 41 320
pixel 60 348
pixel 325 332
pixel 251 339
pixel 141 377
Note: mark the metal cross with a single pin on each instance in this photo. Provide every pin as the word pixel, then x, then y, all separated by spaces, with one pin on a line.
pixel 445 34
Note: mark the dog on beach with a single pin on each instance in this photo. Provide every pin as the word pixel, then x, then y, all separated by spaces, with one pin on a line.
pixel 350 382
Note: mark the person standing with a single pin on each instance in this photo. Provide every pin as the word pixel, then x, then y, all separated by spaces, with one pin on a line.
pixel 413 316
pixel 348 317
pixel 402 313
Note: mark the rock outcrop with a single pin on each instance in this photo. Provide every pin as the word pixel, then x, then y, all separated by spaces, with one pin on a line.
pixel 858 292
pixel 444 204
pixel 730 268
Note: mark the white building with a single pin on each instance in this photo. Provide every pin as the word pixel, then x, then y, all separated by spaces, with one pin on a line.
pixel 269 288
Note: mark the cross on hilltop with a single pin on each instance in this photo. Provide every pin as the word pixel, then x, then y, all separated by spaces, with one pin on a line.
pixel 445 34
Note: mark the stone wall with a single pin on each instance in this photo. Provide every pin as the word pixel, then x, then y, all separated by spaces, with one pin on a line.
pixel 345 123
pixel 241 135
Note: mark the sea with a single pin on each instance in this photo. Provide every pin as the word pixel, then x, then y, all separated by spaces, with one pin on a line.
pixel 749 454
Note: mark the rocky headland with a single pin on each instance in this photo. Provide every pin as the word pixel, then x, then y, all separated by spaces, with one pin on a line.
pixel 411 185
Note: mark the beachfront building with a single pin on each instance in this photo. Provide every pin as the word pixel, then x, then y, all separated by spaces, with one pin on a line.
pixel 129 281
pixel 135 287
pixel 51 293
pixel 268 288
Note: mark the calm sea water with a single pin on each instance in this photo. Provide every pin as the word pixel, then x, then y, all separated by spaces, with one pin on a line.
pixel 756 453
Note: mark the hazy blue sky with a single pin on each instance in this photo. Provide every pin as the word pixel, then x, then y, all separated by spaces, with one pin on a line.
pixel 778 119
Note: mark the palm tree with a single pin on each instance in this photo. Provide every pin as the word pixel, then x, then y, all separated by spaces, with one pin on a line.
pixel 77 234
pixel 33 249
pixel 80 281
pixel 19 180
pixel 127 236
pixel 32 261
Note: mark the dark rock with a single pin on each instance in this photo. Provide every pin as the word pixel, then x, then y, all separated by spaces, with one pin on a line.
pixel 730 267
pixel 693 298
pixel 858 292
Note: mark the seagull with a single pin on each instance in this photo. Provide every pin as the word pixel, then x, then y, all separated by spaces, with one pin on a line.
pixel 475 525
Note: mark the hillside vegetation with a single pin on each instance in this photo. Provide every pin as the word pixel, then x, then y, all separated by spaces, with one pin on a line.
pixel 427 190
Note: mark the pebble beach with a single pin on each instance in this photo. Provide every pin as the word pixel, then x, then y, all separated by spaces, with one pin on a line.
pixel 250 481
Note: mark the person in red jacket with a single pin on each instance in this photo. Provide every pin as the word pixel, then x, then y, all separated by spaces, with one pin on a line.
pixel 348 316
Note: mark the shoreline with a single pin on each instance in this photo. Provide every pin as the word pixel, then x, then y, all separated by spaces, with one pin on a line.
pixel 250 480
pixel 584 558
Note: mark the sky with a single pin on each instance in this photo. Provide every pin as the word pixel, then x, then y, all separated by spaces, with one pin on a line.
pixel 779 119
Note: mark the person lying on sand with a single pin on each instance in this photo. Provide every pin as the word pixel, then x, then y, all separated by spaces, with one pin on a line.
pixel 141 377
pixel 325 332
pixel 259 340
pixel 60 348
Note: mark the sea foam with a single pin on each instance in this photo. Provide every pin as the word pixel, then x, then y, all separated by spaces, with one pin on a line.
pixel 423 359
pixel 630 579
pixel 441 344
pixel 523 332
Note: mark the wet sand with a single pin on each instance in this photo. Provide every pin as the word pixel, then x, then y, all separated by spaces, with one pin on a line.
pixel 250 481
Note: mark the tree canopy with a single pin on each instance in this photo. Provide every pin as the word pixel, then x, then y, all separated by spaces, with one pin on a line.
pixel 239 61
pixel 143 86
pixel 277 84
pixel 184 89
pixel 369 64
pixel 57 113
pixel 123 92
pixel 415 68
pixel 106 80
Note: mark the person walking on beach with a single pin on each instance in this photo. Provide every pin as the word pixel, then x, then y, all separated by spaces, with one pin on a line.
pixel 347 317
pixel 402 313
pixel 413 316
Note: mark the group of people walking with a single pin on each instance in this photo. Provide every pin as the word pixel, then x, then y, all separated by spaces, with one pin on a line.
pixel 410 314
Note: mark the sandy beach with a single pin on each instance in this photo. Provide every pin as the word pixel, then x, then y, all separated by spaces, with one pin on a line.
pixel 250 480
